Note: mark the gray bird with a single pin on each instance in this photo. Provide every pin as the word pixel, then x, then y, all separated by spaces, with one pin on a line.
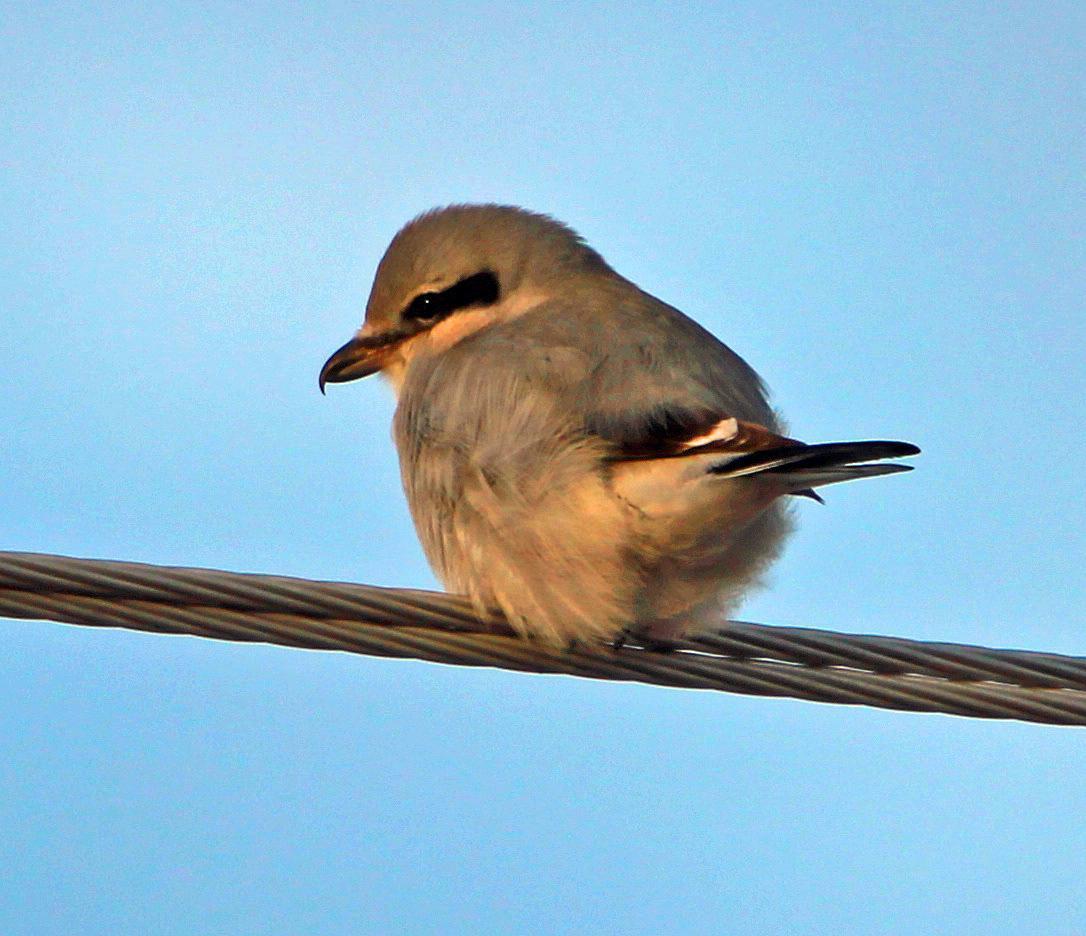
pixel 576 453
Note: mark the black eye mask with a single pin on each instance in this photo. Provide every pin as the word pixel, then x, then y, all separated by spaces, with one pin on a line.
pixel 478 290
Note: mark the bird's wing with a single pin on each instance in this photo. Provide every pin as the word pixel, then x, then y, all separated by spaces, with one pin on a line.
pixel 639 381
pixel 681 434
pixel 656 364
pixel 640 374
pixel 659 386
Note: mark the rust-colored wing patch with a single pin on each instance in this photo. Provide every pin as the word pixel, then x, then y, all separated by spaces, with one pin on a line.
pixel 726 436
pixel 734 436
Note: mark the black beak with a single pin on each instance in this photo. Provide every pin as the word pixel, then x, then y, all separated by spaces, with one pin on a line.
pixel 358 358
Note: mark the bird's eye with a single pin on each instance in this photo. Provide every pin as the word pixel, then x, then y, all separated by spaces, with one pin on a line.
pixel 478 290
pixel 422 307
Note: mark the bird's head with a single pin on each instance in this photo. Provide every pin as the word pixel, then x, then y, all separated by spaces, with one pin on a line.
pixel 451 272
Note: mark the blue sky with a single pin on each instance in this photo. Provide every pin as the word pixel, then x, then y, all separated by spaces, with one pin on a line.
pixel 880 206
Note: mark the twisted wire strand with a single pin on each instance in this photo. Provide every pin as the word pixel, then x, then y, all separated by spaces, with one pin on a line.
pixel 752 659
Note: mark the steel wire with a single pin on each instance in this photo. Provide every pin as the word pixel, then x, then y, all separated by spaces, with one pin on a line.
pixel 752 659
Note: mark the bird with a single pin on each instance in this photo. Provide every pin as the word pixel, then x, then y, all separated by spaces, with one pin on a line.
pixel 578 456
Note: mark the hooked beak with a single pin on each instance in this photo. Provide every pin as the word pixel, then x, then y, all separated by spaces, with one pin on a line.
pixel 358 358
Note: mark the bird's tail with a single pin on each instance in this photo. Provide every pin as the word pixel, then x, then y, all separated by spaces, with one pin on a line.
pixel 805 467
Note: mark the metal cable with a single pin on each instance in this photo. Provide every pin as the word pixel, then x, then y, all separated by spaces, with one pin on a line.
pixel 753 659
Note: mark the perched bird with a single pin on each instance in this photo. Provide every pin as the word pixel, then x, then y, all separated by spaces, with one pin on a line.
pixel 576 453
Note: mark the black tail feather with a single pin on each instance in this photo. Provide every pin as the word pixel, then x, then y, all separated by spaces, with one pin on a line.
pixel 812 459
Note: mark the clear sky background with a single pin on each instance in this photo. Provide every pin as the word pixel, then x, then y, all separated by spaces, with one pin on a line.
pixel 881 206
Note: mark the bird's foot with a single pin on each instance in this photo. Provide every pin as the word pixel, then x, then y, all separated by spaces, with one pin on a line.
pixel 643 638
